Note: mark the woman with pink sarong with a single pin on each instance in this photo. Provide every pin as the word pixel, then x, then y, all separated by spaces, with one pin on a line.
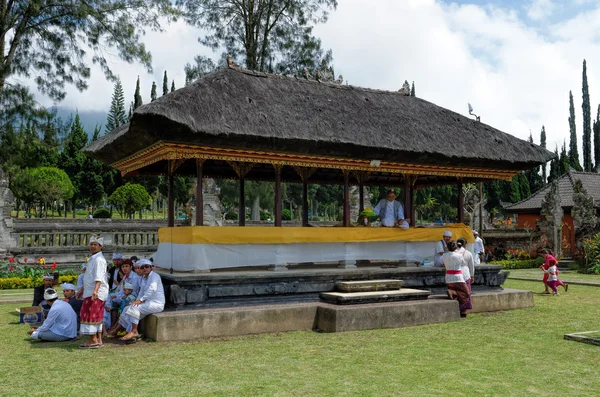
pixel 457 286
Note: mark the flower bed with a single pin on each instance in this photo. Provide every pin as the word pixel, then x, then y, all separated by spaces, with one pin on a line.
pixel 29 282
pixel 519 263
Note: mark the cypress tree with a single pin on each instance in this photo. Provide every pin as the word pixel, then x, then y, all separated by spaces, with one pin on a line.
pixel 554 167
pixel 587 117
pixel 412 89
pixel 173 86
pixel 532 177
pixel 137 97
pixel 116 114
pixel 543 144
pixel 597 140
pixel 96 133
pixel 573 151
pixel 564 164
pixel 524 189
pixel 153 92
pixel 515 190
pixel 165 84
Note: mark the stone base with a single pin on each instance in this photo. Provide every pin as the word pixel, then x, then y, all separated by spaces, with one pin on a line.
pixel 353 298
pixel 507 299
pixel 368 285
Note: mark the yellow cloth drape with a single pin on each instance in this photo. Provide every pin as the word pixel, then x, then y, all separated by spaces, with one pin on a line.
pixel 292 235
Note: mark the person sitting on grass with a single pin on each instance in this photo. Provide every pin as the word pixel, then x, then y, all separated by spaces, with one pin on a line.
pixel 151 300
pixel 38 292
pixel 61 323
pixel 69 294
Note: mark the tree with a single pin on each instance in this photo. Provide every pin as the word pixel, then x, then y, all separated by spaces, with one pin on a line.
pixel 573 151
pixel 52 184
pixel 412 89
pixel 129 199
pixel 533 178
pixel 554 167
pixel 583 211
pixel 524 188
pixel 72 159
pixel 47 40
pixel 551 218
pixel 262 31
pixel 137 97
pixel 202 65
pixel 116 114
pixel 587 117
pixel 543 144
pixel 564 164
pixel 515 189
pixel 153 92
pixel 165 84
pixel 597 140
pixel 173 86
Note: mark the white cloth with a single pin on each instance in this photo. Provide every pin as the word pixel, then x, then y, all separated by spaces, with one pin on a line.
pixel 80 281
pixel 61 320
pixel 551 273
pixel 468 267
pixel 134 280
pixel 95 271
pixel 478 246
pixel 152 289
pixel 440 248
pixel 133 314
pixel 388 214
pixel 453 261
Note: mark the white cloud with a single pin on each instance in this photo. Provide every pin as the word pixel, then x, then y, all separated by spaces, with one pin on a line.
pixel 540 9
pixel 517 77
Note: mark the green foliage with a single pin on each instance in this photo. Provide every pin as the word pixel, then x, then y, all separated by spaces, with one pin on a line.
pixel 72 160
pixel 173 86
pixel 286 214
pixel 583 211
pixel 102 213
pixel 587 117
pixel 165 84
pixel 519 263
pixel 596 130
pixel 573 150
pixel 49 40
pixel 543 144
pixel 591 249
pixel 137 97
pixel 129 199
pixel 29 282
pixel 554 167
pixel 116 114
pixel 231 215
pixel 52 184
pixel 564 163
pixel 268 35
pixel 412 89
pixel 202 65
pixel 153 92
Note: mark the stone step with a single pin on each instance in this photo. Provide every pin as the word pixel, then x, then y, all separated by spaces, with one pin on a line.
pixel 353 298
pixel 368 285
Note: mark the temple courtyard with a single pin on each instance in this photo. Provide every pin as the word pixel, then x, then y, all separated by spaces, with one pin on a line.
pixel 517 352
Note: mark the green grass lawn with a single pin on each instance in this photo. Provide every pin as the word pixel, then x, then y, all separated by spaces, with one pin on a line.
pixel 568 276
pixel 519 352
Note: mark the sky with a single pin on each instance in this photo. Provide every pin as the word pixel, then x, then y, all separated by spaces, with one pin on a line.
pixel 513 60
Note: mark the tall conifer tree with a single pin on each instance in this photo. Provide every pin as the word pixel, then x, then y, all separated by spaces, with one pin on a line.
pixel 564 164
pixel 597 140
pixel 153 92
pixel 116 115
pixel 412 89
pixel 165 84
pixel 137 97
pixel 554 167
pixel 173 86
pixel 543 144
pixel 587 120
pixel 573 151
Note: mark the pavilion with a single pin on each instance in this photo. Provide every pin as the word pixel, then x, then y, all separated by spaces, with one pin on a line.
pixel 246 125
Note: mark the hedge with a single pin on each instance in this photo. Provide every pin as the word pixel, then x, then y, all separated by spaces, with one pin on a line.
pixel 28 282
pixel 519 263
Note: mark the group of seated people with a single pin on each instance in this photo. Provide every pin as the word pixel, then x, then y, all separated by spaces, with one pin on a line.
pixel 136 291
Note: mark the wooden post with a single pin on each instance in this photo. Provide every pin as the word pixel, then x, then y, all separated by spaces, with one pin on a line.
pixel 407 196
pixel 480 208
pixel 346 198
pixel 277 194
pixel 461 202
pixel 304 203
pixel 199 195
pixel 242 203
pixel 361 197
pixel 170 196
pixel 413 212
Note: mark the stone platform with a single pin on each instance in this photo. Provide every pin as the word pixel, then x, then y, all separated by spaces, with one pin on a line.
pixel 353 298
pixel 301 283
pixel 233 321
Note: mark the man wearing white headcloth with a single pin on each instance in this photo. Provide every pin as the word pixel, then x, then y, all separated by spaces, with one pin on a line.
pixel 151 299
pixel 69 293
pixel 94 293
pixel 442 247
pixel 38 292
pixel 61 323
pixel 478 248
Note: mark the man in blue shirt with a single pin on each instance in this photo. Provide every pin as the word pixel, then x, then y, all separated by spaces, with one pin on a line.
pixel 61 323
pixel 391 212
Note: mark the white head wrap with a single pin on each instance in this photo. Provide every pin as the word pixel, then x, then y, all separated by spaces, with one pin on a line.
pixel 142 262
pixel 67 286
pixel 127 286
pixel 50 293
pixel 97 239
pixel 447 233
pixel 48 277
pixel 475 232
pixel 116 255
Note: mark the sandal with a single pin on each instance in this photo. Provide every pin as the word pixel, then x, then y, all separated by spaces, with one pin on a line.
pixel 84 346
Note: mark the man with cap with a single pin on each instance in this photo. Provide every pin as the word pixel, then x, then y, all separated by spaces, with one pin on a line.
pixel 38 292
pixel 441 247
pixel 478 248
pixel 151 299
pixel 69 294
pixel 114 273
pixel 61 323
pixel 94 293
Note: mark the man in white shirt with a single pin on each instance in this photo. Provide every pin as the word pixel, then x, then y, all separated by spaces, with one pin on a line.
pixel 441 247
pixel 391 212
pixel 478 248
pixel 61 323
pixel 94 293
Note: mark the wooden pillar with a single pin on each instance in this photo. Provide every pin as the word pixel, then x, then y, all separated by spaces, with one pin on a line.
pixel 480 208
pixel 346 198
pixel 407 196
pixel 278 194
pixel 199 194
pixel 361 197
pixel 304 202
pixel 242 203
pixel 413 212
pixel 461 202
pixel 170 196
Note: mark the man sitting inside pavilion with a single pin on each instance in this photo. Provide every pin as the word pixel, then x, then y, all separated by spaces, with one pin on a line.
pixel 61 324
pixel 391 212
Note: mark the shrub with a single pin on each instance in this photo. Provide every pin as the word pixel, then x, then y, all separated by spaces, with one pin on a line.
pixel 231 215
pixel 28 282
pixel 286 214
pixel 265 215
pixel 519 264
pixel 591 249
pixel 101 213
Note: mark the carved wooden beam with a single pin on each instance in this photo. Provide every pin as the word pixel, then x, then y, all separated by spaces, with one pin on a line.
pixel 305 172
pixel 241 169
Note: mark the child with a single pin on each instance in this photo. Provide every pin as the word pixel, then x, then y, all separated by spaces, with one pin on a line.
pixel 547 254
pixel 128 296
pixel 552 278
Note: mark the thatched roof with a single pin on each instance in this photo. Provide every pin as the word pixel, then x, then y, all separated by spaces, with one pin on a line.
pixel 234 108
pixel 566 183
